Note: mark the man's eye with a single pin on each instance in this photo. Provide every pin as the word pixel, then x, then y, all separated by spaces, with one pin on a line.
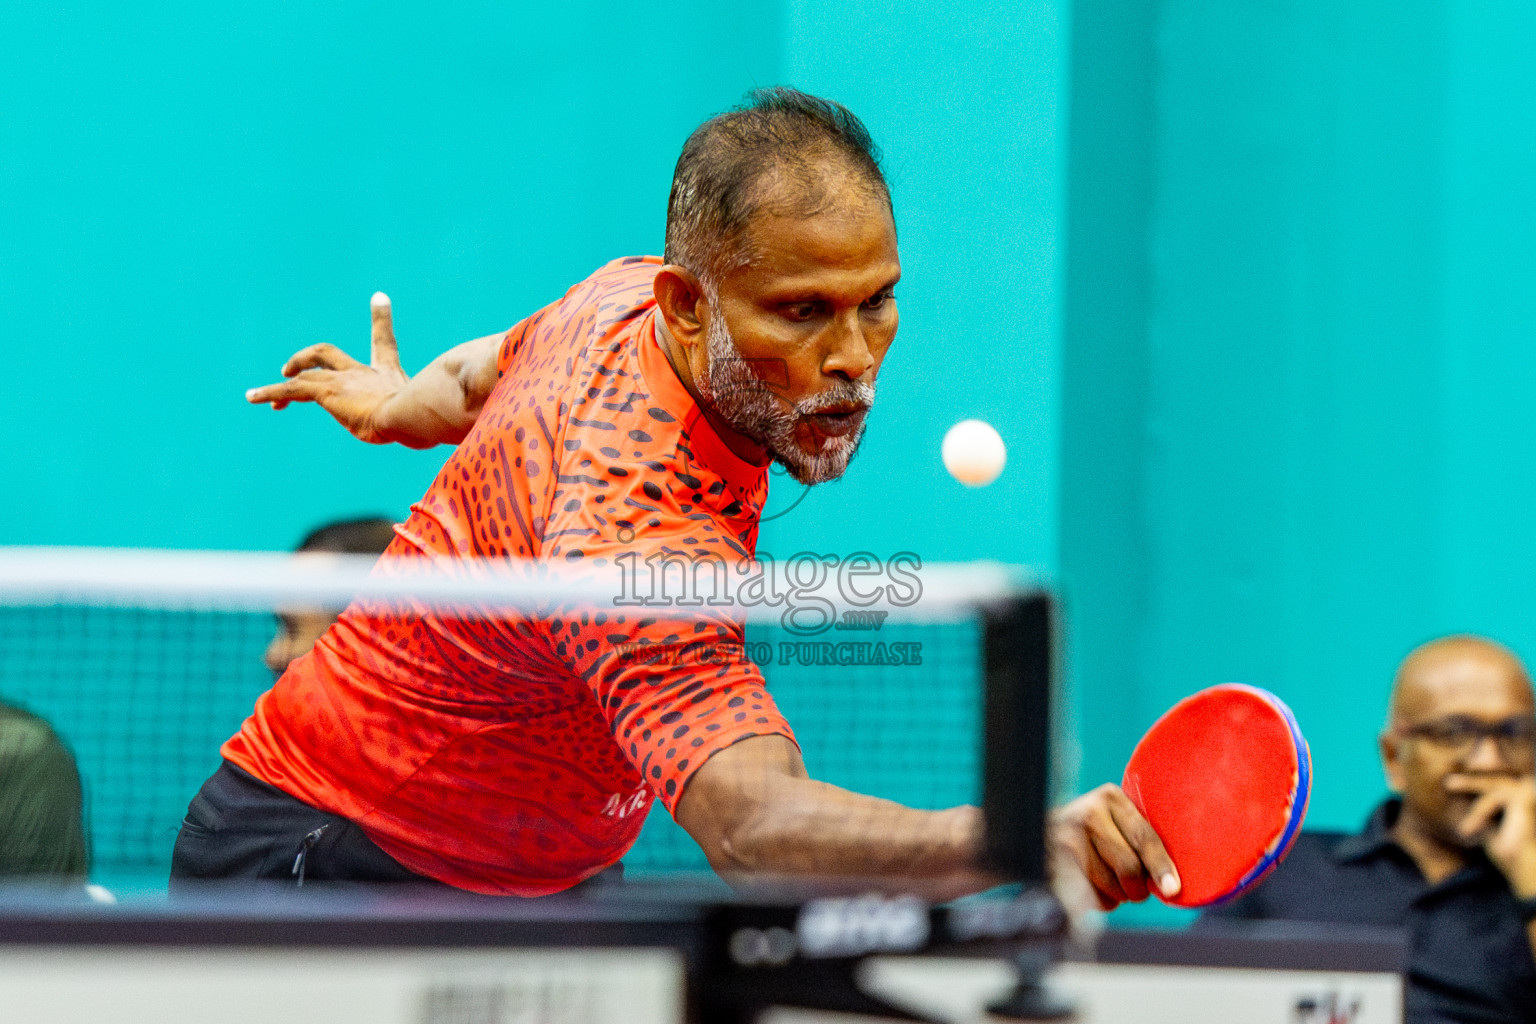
pixel 800 310
pixel 878 301
pixel 1519 729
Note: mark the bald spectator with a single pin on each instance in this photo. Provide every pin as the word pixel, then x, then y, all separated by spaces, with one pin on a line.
pixel 1451 857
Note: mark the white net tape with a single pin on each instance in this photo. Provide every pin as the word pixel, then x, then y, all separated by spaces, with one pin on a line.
pixel 901 587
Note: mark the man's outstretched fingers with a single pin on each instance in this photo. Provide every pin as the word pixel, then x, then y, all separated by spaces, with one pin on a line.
pixel 269 395
pixel 305 388
pixel 385 351
pixel 258 396
pixel 1144 841
pixel 323 356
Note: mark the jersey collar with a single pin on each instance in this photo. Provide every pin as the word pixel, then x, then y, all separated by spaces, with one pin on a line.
pixel 709 448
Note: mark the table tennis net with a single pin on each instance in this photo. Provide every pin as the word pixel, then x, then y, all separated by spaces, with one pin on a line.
pixel 145 663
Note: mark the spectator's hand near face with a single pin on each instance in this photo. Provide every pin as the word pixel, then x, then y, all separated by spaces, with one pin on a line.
pixel 1503 820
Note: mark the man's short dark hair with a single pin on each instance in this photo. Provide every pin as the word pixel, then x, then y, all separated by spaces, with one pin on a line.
pixel 367 536
pixel 729 163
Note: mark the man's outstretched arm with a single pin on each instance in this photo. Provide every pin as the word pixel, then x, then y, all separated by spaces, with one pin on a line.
pixel 756 814
pixel 376 401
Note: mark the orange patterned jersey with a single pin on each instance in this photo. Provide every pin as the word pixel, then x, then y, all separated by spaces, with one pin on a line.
pixel 520 754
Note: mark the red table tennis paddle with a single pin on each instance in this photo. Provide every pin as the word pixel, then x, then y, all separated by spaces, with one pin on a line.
pixel 1224 778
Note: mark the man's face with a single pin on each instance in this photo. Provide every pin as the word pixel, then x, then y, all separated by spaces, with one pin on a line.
pixel 800 333
pixel 297 631
pixel 1430 739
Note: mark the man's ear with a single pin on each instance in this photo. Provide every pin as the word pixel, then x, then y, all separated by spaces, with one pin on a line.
pixel 1392 760
pixel 679 296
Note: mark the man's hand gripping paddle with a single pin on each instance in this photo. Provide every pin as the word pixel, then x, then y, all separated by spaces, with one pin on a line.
pixel 1223 778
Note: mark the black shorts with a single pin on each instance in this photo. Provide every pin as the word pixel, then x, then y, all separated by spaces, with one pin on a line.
pixel 241 828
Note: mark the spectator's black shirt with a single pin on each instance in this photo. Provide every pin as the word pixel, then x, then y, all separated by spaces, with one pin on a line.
pixel 1470 959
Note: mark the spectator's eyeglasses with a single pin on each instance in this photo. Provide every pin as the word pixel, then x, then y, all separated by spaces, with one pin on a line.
pixel 1460 736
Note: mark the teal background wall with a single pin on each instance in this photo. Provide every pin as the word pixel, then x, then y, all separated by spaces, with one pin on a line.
pixel 966 101
pixel 191 193
pixel 1297 358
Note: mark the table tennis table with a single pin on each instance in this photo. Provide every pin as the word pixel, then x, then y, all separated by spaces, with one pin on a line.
pixel 98 641
pixel 638 954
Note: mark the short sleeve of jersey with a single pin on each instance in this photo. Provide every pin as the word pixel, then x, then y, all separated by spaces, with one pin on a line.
pixel 674 685
pixel 673 682
pixel 548 319
pixel 513 340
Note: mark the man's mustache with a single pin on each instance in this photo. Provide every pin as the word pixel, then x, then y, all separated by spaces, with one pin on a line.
pixel 844 397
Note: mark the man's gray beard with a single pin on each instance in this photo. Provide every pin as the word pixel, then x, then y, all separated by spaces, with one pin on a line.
pixel 749 404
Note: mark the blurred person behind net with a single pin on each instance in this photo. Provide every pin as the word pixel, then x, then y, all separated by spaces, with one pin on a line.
pixel 42 825
pixel 299 628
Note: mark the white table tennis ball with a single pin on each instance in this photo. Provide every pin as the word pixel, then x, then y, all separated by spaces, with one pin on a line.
pixel 974 453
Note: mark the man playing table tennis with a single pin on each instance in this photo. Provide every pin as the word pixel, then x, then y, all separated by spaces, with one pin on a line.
pixel 1452 857
pixel 638 413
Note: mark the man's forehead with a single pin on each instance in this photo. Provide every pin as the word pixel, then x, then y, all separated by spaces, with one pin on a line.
pixel 796 254
pixel 1462 678
pixel 843 244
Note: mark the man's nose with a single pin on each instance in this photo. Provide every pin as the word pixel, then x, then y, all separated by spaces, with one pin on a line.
pixel 1486 755
pixel 848 355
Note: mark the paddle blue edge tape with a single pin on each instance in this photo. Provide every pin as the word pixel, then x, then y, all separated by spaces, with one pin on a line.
pixel 1298 802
